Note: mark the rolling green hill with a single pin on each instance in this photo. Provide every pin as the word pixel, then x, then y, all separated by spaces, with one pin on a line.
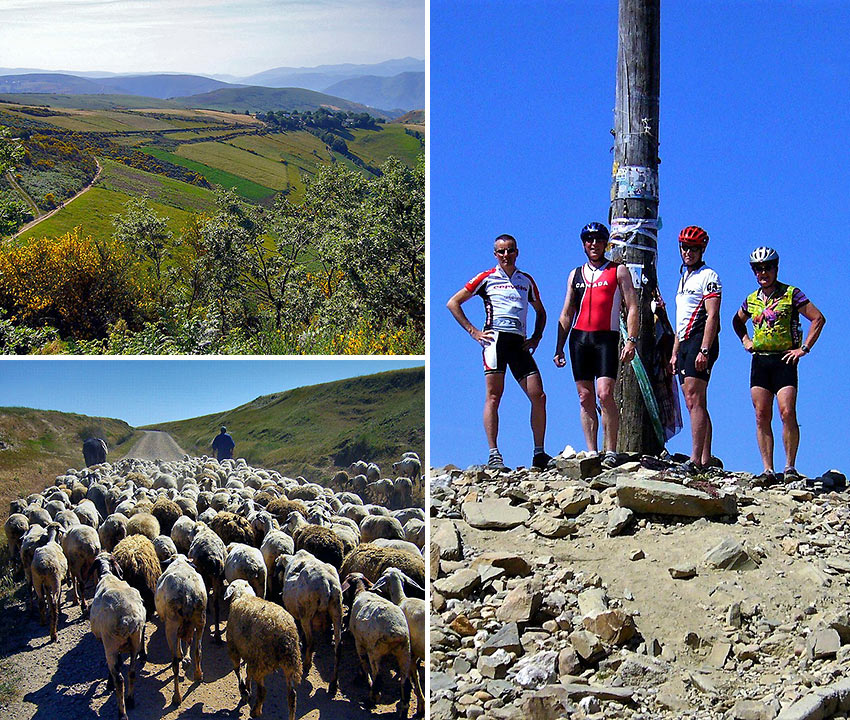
pixel 93 210
pixel 316 430
pixel 263 99
pixel 38 445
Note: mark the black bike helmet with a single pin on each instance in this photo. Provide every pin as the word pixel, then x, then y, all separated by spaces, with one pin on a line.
pixel 594 230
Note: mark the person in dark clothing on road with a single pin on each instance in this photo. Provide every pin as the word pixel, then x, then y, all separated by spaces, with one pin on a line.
pixel 223 445
pixel 94 451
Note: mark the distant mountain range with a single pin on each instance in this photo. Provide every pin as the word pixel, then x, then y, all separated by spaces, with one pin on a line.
pixel 394 86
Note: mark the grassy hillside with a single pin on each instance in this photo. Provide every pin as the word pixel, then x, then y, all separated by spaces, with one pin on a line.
pixel 374 147
pixel 262 99
pixel 93 210
pixel 246 188
pixel 38 445
pixel 315 430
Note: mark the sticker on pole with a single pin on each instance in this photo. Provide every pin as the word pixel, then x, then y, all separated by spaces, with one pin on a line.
pixel 635 183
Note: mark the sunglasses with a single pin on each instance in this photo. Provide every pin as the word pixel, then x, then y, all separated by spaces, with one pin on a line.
pixel 594 240
pixel 763 267
pixel 686 248
pixel 505 251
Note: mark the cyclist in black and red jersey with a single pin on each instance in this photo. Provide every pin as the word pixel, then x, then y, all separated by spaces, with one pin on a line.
pixel 596 292
pixel 507 292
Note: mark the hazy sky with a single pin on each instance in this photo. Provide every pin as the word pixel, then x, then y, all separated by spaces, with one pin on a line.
pixel 206 36
pixel 143 392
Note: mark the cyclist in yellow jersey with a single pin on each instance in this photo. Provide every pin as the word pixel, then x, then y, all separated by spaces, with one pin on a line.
pixel 776 346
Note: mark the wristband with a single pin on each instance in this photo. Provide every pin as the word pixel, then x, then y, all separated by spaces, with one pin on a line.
pixel 703 351
pixel 633 340
pixel 805 348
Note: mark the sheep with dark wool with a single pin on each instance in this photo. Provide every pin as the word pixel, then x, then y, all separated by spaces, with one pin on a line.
pixel 321 542
pixel 140 567
pixel 264 635
pixel 231 528
pixel 371 561
pixel 166 511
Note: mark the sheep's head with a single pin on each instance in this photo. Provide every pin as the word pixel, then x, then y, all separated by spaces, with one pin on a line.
pixel 353 585
pixel 238 589
pixel 104 564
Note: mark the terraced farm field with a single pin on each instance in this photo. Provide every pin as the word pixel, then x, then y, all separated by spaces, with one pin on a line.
pixel 93 211
pixel 238 162
pixel 375 146
pixel 158 188
pixel 246 188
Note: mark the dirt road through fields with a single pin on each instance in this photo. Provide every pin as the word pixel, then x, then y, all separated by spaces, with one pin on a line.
pixel 35 222
pixel 156 445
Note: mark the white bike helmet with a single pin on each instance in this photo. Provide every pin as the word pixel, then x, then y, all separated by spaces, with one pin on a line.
pixel 763 255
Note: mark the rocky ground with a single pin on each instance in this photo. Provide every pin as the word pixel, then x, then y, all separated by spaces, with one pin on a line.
pixel 638 593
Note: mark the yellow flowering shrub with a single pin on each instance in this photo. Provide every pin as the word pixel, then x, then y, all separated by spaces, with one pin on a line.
pixel 71 283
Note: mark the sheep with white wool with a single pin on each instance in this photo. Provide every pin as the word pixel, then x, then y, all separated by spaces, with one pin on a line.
pixel 181 602
pixel 165 548
pixel 33 539
pixel 245 562
pixel 393 583
pixel 81 545
pixel 380 526
pixel 209 553
pixel 182 533
pixel 86 510
pixel 49 568
pixel 112 531
pixel 264 635
pixel 312 594
pixel 15 527
pixel 275 544
pixel 118 620
pixel 380 630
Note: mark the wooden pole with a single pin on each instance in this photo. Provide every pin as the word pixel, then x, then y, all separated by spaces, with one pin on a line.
pixel 634 198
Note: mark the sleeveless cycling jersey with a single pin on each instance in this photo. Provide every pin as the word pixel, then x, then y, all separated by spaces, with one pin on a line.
pixel 505 298
pixel 598 298
pixel 695 286
pixel 776 319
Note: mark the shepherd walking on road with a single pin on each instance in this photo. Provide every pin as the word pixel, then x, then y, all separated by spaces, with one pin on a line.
pixel 223 445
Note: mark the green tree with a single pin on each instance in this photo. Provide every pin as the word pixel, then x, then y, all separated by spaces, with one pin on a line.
pixel 11 149
pixel 13 213
pixel 145 233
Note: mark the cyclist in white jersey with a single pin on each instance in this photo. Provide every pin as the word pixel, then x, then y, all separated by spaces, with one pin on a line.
pixel 507 292
pixel 696 346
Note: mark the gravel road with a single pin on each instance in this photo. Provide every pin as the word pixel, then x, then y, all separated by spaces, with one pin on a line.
pixel 156 445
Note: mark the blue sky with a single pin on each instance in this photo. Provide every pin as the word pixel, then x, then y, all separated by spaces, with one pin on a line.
pixel 143 392
pixel 206 36
pixel 754 123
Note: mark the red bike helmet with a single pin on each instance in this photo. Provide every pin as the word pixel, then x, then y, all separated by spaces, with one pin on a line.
pixel 694 236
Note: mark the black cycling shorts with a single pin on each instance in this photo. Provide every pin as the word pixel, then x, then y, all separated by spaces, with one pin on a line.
pixel 594 354
pixel 507 351
pixel 769 371
pixel 688 351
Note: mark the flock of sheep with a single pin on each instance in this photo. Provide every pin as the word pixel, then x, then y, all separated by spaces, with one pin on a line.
pixel 170 539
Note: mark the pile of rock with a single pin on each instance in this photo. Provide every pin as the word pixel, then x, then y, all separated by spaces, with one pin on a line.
pixel 637 593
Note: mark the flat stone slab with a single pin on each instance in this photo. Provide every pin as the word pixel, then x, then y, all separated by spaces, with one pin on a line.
pixel 494 514
pixel 623 694
pixel 665 498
